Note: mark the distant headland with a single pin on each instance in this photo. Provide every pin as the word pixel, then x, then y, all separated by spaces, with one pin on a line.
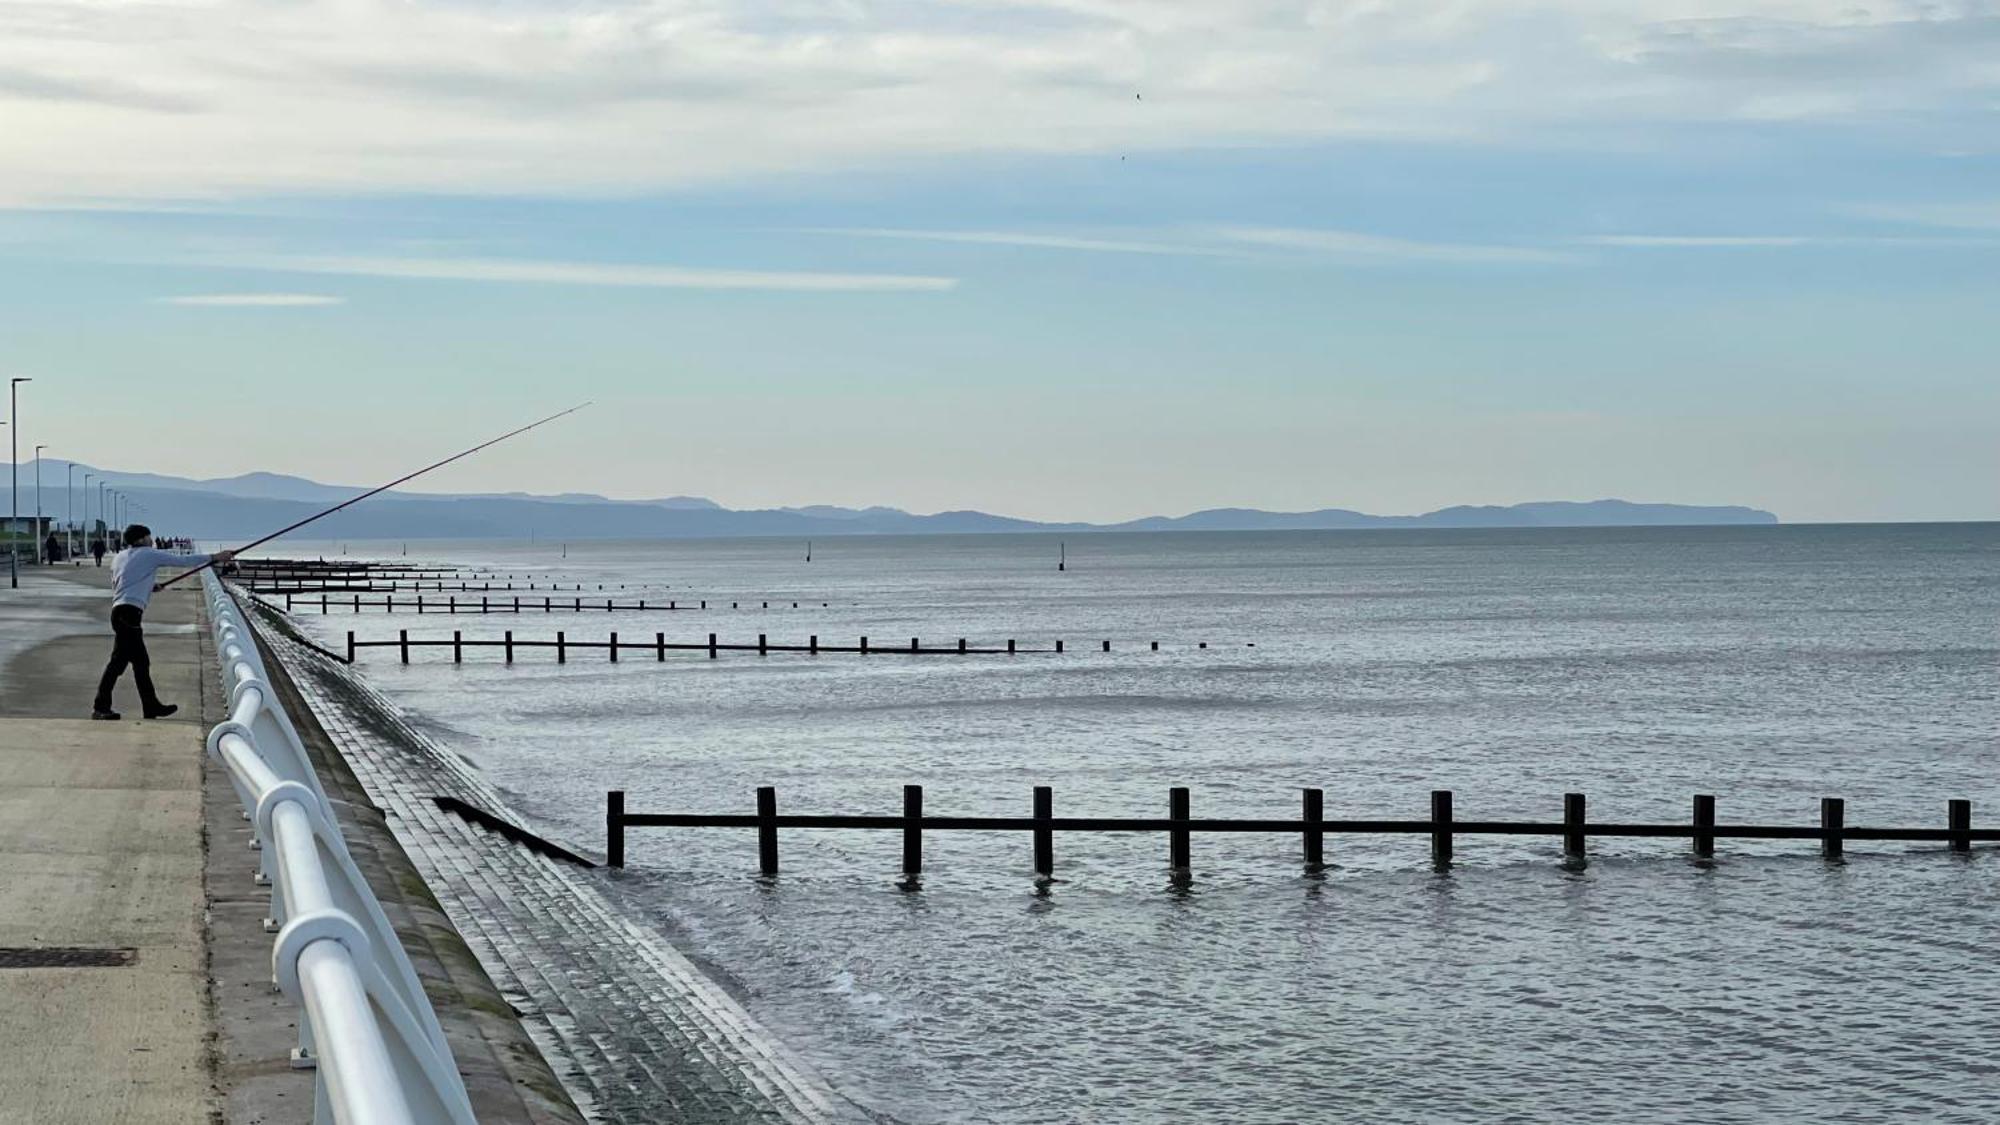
pixel 232 507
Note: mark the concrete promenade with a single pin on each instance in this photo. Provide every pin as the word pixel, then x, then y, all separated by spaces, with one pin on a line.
pixel 120 840
pixel 100 851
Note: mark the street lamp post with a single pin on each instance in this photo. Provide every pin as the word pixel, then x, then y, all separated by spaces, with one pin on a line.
pixel 69 511
pixel 14 455
pixel 38 500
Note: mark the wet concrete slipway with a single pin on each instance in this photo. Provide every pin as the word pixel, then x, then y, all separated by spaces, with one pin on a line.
pixel 120 840
pixel 636 1032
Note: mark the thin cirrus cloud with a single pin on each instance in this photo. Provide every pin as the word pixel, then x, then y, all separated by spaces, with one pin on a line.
pixel 1030 239
pixel 1357 248
pixel 252 300
pixel 522 271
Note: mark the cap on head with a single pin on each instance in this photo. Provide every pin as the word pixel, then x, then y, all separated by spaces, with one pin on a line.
pixel 136 534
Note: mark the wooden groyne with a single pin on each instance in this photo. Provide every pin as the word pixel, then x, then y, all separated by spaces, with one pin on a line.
pixel 513 603
pixel 659 646
pixel 1574 829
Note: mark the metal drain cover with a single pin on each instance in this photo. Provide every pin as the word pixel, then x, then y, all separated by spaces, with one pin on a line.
pixel 64 957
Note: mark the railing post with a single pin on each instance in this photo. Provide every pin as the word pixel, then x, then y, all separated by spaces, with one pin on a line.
pixel 1959 818
pixel 357 603
pixel 288 603
pixel 509 642
pixel 614 647
pixel 403 642
pixel 762 649
pixel 454 605
pixel 1045 845
pixel 913 832
pixel 457 648
pixel 864 646
pixel 562 653
pixel 614 828
pixel 482 605
pixel 1573 814
pixel 961 644
pixel 913 644
pixel 1315 811
pixel 1441 829
pixel 420 605
pixel 388 603
pixel 812 644
pixel 1704 826
pixel 1010 646
pixel 1833 825
pixel 660 647
pixel 711 646
pixel 1177 838
pixel 767 830
pixel 322 605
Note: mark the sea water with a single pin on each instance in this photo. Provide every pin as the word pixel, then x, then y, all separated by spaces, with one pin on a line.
pixel 1767 666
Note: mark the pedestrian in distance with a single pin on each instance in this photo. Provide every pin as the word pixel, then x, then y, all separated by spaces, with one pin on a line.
pixel 97 550
pixel 132 572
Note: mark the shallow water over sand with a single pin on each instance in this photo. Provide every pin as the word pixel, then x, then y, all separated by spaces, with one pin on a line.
pixel 1769 666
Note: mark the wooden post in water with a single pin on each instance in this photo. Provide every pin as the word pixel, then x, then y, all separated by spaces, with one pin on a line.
pixel 288 603
pixel 607 605
pixel 1059 646
pixel 913 832
pixel 403 642
pixel 660 648
pixel 1010 646
pixel 961 644
pixel 767 830
pixel 614 647
pixel 913 644
pixel 389 603
pixel 322 605
pixel 1573 814
pixel 357 603
pixel 812 645
pixel 1156 646
pixel 577 606
pixel 1107 646
pixel 762 648
pixel 546 607
pixel 482 605
pixel 1958 817
pixel 1045 844
pixel 454 605
pixel 420 605
pixel 350 646
pixel 1314 811
pixel 457 648
pixel 1833 824
pixel 614 828
pixel 562 653
pixel 1704 826
pixel 864 646
pixel 1441 829
pixel 509 643
pixel 1178 858
pixel 711 646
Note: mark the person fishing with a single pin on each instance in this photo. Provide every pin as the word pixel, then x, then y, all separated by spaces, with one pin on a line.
pixel 132 572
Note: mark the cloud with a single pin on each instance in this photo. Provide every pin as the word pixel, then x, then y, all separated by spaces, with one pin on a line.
pixel 253 300
pixel 1031 239
pixel 1354 247
pixel 1979 215
pixel 1721 241
pixel 595 273
pixel 335 97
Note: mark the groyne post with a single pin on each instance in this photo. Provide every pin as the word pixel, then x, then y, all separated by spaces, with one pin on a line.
pixel 1832 826
pixel 350 646
pixel 1704 826
pixel 660 647
pixel 457 648
pixel 767 829
pixel 562 653
pixel 614 828
pixel 1045 845
pixel 1573 813
pixel 613 646
pixel 403 642
pixel 913 832
pixel 509 645
pixel 1313 811
pixel 711 646
pixel 1441 829
pixel 1178 856
pixel 1959 817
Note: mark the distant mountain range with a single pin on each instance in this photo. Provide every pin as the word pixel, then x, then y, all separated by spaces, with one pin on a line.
pixel 248 505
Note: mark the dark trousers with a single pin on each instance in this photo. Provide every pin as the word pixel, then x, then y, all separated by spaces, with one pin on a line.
pixel 128 647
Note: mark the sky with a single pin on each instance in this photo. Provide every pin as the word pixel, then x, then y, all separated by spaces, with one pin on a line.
pixel 1060 259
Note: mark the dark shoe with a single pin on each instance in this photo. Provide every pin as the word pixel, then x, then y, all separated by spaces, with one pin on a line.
pixel 101 714
pixel 163 710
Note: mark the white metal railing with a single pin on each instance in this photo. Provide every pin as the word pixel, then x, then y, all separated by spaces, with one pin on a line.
pixel 369 1029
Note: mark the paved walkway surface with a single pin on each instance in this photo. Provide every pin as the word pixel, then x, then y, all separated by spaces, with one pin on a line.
pixel 100 851
pixel 639 1033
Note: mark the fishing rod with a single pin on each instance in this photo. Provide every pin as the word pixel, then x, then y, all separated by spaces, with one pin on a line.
pixel 374 491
